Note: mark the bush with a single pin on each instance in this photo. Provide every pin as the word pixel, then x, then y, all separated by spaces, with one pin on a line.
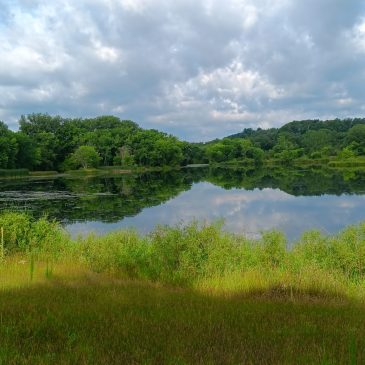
pixel 344 252
pixel 16 231
pixel 272 249
pixel 123 251
pixel 186 255
pixel 24 234
pixel 181 255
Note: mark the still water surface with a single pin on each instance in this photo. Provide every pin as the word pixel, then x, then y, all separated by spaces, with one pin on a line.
pixel 249 201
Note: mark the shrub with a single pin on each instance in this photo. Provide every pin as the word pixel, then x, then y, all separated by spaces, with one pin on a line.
pixel 123 251
pixel 184 254
pixel 272 249
pixel 343 252
pixel 24 234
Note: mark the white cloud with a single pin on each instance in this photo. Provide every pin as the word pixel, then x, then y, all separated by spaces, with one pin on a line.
pixel 199 69
pixel 357 36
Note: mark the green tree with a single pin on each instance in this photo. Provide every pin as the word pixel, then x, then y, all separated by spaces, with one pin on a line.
pixel 86 156
pixel 124 157
pixel 8 147
pixel 257 154
pixel 317 140
pixel 348 151
pixel 355 139
pixel 28 154
pixel 216 152
pixel 356 134
pixel 45 130
pixel 286 150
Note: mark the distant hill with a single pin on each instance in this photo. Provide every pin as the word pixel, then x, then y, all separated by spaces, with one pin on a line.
pixel 303 126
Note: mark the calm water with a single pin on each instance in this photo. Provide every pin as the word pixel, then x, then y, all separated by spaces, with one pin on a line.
pixel 249 201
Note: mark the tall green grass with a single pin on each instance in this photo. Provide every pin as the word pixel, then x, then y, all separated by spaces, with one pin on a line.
pixel 97 319
pixel 13 172
pixel 200 255
pixel 43 173
pixel 24 235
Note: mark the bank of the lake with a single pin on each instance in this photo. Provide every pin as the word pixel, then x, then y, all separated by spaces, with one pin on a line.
pixel 192 294
pixel 332 162
pixel 105 170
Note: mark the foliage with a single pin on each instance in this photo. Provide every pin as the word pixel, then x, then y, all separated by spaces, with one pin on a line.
pixel 86 156
pixel 123 251
pixel 185 255
pixel 47 142
pixel 22 233
pixel 347 152
pixel 180 254
pixel 8 148
pixel 124 157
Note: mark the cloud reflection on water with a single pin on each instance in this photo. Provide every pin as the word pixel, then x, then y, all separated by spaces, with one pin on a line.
pixel 244 211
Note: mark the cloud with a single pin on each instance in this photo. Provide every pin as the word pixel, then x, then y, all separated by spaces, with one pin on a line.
pixel 199 69
pixel 245 212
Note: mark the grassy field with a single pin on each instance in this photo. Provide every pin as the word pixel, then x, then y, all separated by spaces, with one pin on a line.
pixel 182 295
pixel 76 316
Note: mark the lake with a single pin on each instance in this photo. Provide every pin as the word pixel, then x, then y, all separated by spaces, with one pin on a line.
pixel 249 201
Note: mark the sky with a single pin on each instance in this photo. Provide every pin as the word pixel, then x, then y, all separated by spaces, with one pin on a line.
pixel 199 69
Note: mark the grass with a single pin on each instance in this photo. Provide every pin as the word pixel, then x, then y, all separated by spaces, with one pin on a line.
pixel 11 173
pixel 349 162
pixel 80 317
pixel 181 295
pixel 43 173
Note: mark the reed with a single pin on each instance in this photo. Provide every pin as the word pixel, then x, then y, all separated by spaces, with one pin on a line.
pixel 189 255
pixel 2 253
pixel 13 173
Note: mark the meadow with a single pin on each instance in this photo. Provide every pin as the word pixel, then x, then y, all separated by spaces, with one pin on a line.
pixel 179 295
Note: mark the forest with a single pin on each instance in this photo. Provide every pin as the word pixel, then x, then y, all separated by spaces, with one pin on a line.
pixel 53 143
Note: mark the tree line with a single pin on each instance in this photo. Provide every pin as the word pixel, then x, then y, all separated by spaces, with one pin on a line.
pixel 46 142
pixel 306 139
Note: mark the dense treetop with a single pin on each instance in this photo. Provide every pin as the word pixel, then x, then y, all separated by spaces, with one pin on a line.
pixel 46 142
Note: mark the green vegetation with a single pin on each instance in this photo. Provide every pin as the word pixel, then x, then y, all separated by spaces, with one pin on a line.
pixel 13 172
pixel 44 142
pixel 298 142
pixel 181 295
pixel 86 157
pixel 186 255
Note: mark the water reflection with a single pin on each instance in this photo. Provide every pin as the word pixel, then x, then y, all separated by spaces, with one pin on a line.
pixel 249 201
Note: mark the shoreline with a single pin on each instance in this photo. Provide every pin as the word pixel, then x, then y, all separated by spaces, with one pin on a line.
pixel 116 170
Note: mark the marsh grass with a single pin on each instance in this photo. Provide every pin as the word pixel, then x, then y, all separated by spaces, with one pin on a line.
pixel 189 294
pixel 2 250
pixel 4 173
pixel 188 255
pixel 82 317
